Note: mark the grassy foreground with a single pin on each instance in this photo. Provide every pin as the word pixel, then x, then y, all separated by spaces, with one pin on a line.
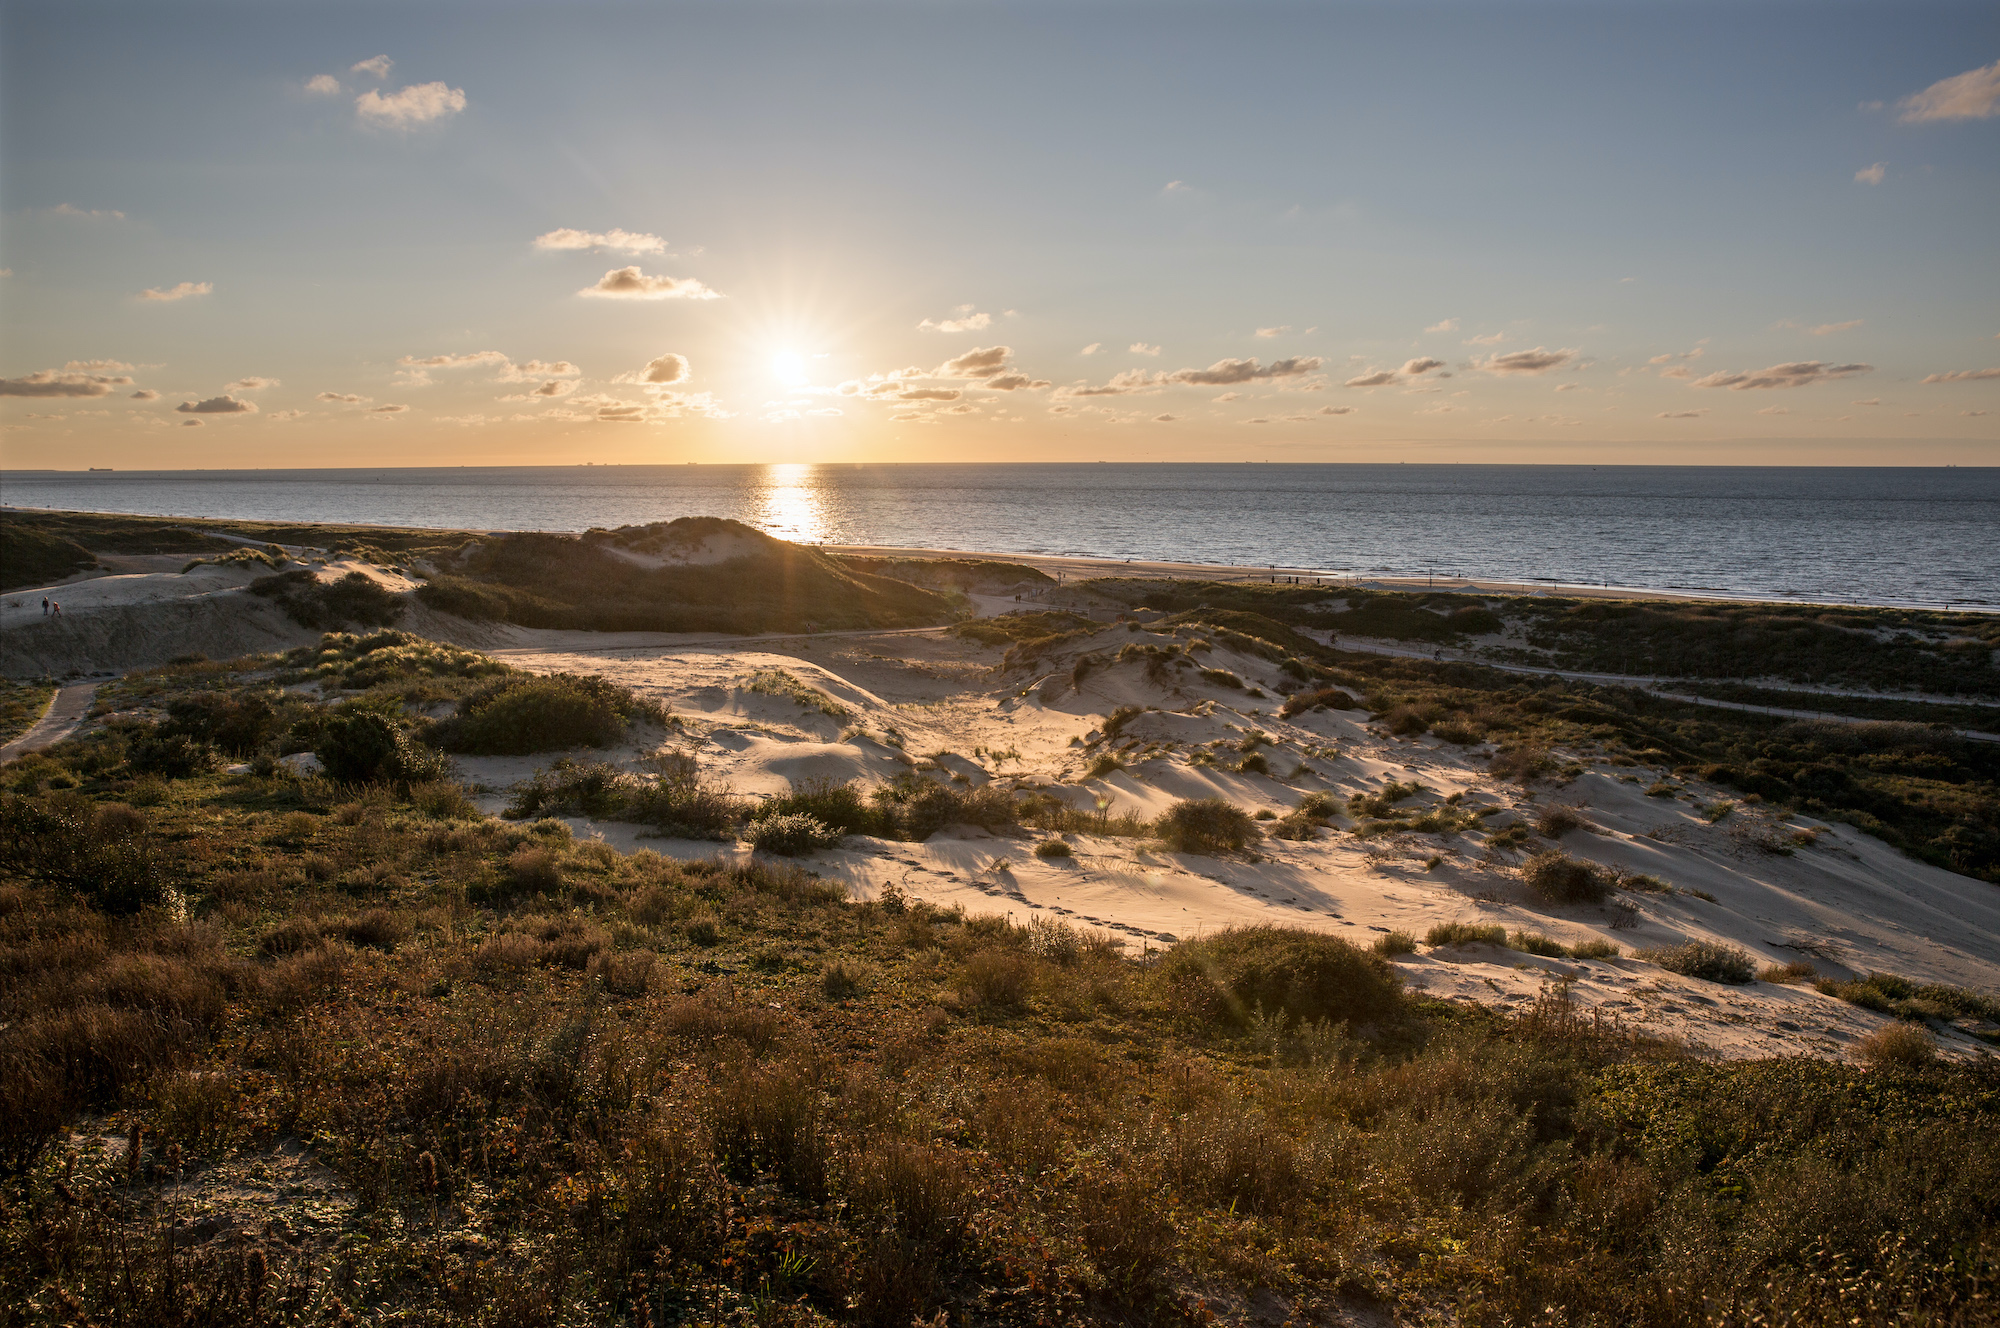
pixel 351 1053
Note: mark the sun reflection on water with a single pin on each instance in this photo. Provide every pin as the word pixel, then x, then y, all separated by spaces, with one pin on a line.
pixel 793 507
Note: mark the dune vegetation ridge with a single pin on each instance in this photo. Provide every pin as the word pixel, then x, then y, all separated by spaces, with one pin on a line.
pixel 673 925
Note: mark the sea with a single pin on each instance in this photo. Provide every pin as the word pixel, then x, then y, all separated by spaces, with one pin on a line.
pixel 1896 536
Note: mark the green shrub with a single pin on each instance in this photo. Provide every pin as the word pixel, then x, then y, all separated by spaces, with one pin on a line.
pixel 1104 763
pixel 1205 825
pixel 1390 944
pixel 1595 948
pixel 1465 933
pixel 778 682
pixel 522 714
pixel 1053 848
pixel 679 802
pixel 1897 1046
pixel 834 804
pixel 1557 878
pixel 790 834
pixel 360 746
pixel 914 808
pixel 1710 961
pixel 161 751
pixel 238 723
pixel 1222 678
pixel 1383 802
pixel 1534 943
pixel 326 605
pixel 104 853
pixel 572 788
pixel 1331 698
pixel 1230 976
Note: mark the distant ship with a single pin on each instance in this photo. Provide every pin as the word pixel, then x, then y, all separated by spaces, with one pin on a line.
pixel 104 469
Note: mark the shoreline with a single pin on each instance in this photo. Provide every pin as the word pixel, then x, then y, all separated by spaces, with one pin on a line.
pixel 1082 566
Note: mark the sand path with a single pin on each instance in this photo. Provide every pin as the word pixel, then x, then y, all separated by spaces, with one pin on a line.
pixel 66 710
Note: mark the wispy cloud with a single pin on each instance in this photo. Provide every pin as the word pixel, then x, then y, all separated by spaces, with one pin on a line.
pixel 378 65
pixel 387 408
pixel 1336 410
pixel 1373 378
pixel 1963 376
pixel 630 242
pixel 1490 339
pixel 251 384
pixel 964 319
pixel 1682 414
pixel 1383 377
pixel 1014 382
pixel 1448 325
pixel 70 212
pixel 1536 361
pixel 1802 373
pixel 1872 174
pixel 1269 332
pixel 1092 348
pixel 629 283
pixel 406 108
pixel 145 394
pixel 1973 95
pixel 326 85
pixel 342 398
pixel 1820 330
pixel 1141 348
pixel 180 292
pixel 222 405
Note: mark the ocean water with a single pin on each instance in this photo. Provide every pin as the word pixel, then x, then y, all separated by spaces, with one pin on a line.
pixel 1875 535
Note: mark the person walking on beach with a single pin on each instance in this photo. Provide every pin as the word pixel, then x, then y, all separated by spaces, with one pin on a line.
pixel 55 609
pixel 45 606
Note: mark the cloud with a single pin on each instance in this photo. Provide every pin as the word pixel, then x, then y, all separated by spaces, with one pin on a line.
pixel 1823 330
pixel 1973 412
pixel 1490 339
pixel 1336 410
pixel 379 66
pixel 669 368
pixel 420 103
pixel 549 391
pixel 1121 384
pixel 1569 387
pixel 1376 378
pixel 979 362
pixel 1963 376
pixel 533 369
pixel 1973 95
pixel 964 319
pixel 1448 325
pixel 1676 356
pixel 1177 187
pixel 629 283
pixel 1092 348
pixel 1774 410
pixel 1867 401
pixel 73 213
pixel 455 361
pixel 1141 348
pixel 1165 419
pixel 145 394
pixel 1682 414
pixel 222 405
pixel 1224 373
pixel 631 242
pixel 324 84
pixel 1421 366
pixel 348 398
pixel 180 292
pixel 1268 332
pixel 1014 382
pixel 387 408
pixel 1802 373
pixel 929 394
pixel 285 414
pixel 1872 174
pixel 250 384
pixel 1228 396
pixel 1538 360
pixel 191 424
pixel 78 378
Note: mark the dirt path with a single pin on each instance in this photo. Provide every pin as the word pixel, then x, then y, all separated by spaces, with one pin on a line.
pixel 65 712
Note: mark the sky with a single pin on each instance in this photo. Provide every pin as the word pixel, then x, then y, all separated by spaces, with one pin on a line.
pixel 314 234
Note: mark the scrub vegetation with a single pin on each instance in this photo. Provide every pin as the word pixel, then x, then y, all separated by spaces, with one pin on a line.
pixel 293 1050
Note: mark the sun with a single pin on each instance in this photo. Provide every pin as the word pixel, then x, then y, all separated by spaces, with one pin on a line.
pixel 789 367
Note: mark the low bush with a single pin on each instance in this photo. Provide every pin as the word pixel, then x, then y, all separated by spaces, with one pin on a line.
pixel 836 805
pixel 1557 878
pixel 1796 971
pixel 329 605
pixel 1596 948
pixel 522 714
pixel 1328 698
pixel 790 834
pixel 680 802
pixel 1229 976
pixel 1534 943
pixel 1558 818
pixel 1394 943
pixel 1889 993
pixel 157 750
pixel 360 746
pixel 237 723
pixel 914 808
pixel 571 788
pixel 104 853
pixel 1711 961
pixel 1383 801
pixel 1521 764
pixel 1207 826
pixel 1465 933
pixel 1897 1046
pixel 1053 848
